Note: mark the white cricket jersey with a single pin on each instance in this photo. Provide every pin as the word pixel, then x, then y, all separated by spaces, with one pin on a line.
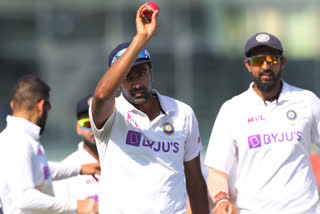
pixel 142 169
pixel 270 142
pixel 78 187
pixel 26 176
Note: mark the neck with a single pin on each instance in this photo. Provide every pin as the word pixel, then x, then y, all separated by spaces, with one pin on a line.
pixel 269 96
pixel 91 149
pixel 25 115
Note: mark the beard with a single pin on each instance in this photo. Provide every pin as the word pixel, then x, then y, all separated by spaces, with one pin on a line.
pixel 42 122
pixel 266 86
pixel 92 146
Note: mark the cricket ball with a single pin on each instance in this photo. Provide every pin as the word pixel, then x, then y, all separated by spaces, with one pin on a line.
pixel 154 7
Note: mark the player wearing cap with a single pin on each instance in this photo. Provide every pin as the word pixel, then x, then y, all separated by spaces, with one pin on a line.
pixel 148 143
pixel 82 186
pixel 26 175
pixel 267 132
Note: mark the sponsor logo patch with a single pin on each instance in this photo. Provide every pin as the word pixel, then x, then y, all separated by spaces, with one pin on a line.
pixel 254 141
pixel 46 172
pixel 137 139
pixel 133 138
pixel 258 140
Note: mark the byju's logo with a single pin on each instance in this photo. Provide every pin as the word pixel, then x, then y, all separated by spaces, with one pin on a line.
pixel 254 141
pixel 136 139
pixel 133 138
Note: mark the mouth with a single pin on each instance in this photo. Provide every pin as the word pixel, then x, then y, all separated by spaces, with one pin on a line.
pixel 266 76
pixel 138 93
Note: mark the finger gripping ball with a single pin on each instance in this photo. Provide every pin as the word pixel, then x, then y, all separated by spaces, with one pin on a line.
pixel 154 7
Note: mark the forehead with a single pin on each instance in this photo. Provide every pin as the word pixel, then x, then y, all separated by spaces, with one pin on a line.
pixel 261 50
pixel 139 68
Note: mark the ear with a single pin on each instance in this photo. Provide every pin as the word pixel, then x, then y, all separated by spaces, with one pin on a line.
pixel 40 106
pixel 283 62
pixel 246 63
pixel 78 129
pixel 151 72
pixel 12 105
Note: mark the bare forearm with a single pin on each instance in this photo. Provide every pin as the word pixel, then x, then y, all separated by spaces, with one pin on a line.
pixel 113 78
pixel 198 197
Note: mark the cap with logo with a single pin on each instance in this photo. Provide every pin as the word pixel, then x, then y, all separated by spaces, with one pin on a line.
pixel 144 56
pixel 262 39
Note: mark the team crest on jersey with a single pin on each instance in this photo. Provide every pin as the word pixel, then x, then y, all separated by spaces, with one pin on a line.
pixel 291 115
pixel 168 128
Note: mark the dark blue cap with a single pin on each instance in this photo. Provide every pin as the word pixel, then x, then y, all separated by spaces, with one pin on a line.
pixel 83 105
pixel 262 39
pixel 120 49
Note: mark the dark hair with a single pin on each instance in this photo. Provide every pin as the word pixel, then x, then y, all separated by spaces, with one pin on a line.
pixel 28 90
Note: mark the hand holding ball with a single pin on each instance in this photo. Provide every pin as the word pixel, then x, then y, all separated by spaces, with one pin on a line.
pixel 154 7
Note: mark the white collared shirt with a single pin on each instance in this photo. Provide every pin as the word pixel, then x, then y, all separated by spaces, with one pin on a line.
pixel 270 143
pixel 142 169
pixel 26 179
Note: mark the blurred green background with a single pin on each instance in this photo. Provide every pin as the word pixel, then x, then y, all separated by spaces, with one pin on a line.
pixel 197 51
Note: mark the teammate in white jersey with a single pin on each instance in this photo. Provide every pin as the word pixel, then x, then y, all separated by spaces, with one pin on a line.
pixel 26 175
pixel 82 186
pixel 266 132
pixel 148 144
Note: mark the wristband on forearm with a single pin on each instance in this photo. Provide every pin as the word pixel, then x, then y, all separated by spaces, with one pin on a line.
pixel 219 198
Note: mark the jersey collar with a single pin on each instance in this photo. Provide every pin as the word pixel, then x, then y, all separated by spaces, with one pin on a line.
pixel 26 126
pixel 283 96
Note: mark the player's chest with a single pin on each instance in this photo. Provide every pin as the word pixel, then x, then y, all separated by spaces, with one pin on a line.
pixel 267 125
pixel 164 135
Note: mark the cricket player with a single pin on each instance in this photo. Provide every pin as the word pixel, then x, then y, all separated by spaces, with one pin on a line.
pixel 148 143
pixel 266 132
pixel 26 175
pixel 82 186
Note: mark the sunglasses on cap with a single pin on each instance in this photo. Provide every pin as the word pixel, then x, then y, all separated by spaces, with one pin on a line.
pixel 85 123
pixel 143 55
pixel 259 59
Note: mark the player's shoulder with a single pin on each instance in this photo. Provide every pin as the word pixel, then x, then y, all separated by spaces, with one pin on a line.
pixel 294 92
pixel 11 137
pixel 236 100
pixel 174 104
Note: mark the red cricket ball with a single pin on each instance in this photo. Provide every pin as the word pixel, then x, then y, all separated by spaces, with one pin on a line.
pixel 154 7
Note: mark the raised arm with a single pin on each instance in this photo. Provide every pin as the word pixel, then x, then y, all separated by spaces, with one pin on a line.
pixel 104 97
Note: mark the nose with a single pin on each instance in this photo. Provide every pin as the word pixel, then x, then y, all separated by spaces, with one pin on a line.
pixel 265 66
pixel 137 83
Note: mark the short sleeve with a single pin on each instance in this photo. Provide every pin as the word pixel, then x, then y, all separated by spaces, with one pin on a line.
pixel 193 143
pixel 101 134
pixel 315 107
pixel 221 151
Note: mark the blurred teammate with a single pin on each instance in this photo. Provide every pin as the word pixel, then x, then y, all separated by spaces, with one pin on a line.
pixel 26 175
pixel 81 186
pixel 148 143
pixel 267 132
